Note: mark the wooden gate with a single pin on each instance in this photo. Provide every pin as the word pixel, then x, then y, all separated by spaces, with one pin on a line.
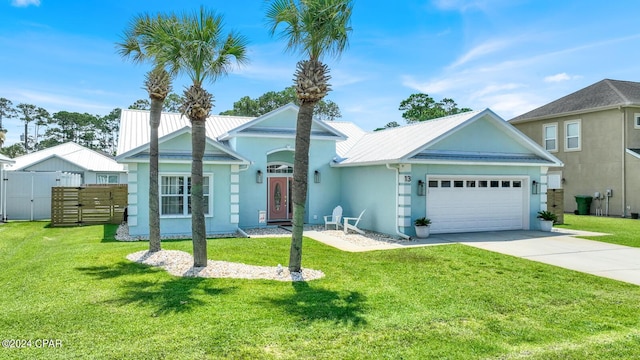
pixel 88 205
pixel 555 203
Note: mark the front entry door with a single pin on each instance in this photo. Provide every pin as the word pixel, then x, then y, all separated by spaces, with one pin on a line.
pixel 278 198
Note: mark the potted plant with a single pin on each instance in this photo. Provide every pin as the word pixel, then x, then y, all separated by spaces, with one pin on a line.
pixel 547 219
pixel 422 227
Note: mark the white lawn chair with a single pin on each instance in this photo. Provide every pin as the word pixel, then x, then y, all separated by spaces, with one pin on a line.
pixel 334 218
pixel 353 226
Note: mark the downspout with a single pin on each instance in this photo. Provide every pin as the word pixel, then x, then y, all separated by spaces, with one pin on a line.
pixel 624 160
pixel 400 234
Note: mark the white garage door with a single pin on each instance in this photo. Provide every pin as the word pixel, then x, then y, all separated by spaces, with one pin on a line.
pixel 456 204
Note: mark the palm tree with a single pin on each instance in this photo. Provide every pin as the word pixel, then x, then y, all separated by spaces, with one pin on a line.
pixel 199 48
pixel 313 28
pixel 141 43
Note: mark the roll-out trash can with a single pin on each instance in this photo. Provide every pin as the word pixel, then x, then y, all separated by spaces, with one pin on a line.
pixel 584 204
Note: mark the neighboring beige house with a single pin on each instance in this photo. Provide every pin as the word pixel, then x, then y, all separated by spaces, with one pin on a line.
pixel 595 132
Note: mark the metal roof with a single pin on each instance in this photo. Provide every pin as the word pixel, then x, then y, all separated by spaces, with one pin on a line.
pixel 351 131
pixel 359 147
pixel 5 160
pixel 604 94
pixel 395 143
pixel 135 130
pixel 76 154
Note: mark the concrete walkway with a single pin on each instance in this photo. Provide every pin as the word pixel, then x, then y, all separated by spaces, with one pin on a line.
pixel 560 248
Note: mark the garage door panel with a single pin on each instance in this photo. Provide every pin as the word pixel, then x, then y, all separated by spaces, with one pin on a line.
pixel 466 209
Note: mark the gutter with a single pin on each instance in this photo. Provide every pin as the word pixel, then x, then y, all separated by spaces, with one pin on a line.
pixel 400 234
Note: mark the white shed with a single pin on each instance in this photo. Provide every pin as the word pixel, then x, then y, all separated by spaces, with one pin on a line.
pixel 28 180
pixel 3 189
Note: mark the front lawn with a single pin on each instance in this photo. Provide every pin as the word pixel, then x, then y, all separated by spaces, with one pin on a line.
pixel 624 231
pixel 455 302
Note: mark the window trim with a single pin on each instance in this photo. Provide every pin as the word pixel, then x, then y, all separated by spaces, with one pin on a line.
pixel 566 135
pixel 636 122
pixel 185 212
pixel 544 136
pixel 117 176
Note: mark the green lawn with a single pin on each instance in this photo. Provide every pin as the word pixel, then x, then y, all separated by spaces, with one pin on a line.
pixel 451 302
pixel 623 231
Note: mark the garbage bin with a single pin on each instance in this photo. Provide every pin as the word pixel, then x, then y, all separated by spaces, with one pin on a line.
pixel 584 204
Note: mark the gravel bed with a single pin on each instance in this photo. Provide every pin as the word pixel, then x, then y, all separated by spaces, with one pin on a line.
pixel 370 238
pixel 122 234
pixel 180 263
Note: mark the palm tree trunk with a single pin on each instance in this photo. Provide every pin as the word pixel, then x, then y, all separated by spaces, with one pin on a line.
pixel 300 182
pixel 154 205
pixel 199 231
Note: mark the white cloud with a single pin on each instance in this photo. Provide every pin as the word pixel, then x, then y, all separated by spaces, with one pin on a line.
pixel 557 77
pixel 25 3
pixel 511 105
pixel 494 88
pixel 432 87
pixel 480 50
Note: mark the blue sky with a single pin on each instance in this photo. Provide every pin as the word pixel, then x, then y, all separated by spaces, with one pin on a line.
pixel 507 55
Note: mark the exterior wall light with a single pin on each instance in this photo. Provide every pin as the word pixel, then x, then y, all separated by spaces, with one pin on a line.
pixel 421 188
pixel 316 177
pixel 535 187
pixel 259 176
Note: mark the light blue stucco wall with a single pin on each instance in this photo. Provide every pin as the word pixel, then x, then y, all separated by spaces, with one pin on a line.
pixel 373 188
pixel 481 136
pixel 370 188
pixel 216 224
pixel 322 197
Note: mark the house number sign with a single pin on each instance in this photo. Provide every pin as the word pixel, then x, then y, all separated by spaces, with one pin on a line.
pixel 407 178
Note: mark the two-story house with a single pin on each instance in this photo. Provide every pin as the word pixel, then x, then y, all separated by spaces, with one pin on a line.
pixel 595 132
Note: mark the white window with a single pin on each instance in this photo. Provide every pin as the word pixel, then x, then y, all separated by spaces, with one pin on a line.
pixel 572 135
pixel 106 178
pixel 550 134
pixel 636 120
pixel 175 195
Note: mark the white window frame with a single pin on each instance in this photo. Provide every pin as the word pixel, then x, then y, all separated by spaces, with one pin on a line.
pixel 108 176
pixel 636 120
pixel 545 139
pixel 186 195
pixel 566 135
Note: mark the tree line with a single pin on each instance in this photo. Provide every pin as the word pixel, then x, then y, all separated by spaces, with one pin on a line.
pixel 43 129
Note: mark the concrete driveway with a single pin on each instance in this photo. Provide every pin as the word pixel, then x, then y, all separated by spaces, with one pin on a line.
pixel 559 248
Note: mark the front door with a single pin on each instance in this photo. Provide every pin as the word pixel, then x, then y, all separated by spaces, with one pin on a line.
pixel 278 198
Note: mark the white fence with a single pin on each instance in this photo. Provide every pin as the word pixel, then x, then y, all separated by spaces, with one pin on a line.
pixel 28 194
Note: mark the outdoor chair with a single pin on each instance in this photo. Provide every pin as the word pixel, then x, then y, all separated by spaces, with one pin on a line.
pixel 353 226
pixel 334 218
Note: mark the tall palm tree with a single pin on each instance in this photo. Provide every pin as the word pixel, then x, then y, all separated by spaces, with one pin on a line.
pixel 313 28
pixel 141 42
pixel 201 50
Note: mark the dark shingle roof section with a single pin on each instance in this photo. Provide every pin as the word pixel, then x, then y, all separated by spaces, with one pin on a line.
pixel 605 93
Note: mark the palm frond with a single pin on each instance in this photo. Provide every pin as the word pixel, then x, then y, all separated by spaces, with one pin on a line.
pixel 312 27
